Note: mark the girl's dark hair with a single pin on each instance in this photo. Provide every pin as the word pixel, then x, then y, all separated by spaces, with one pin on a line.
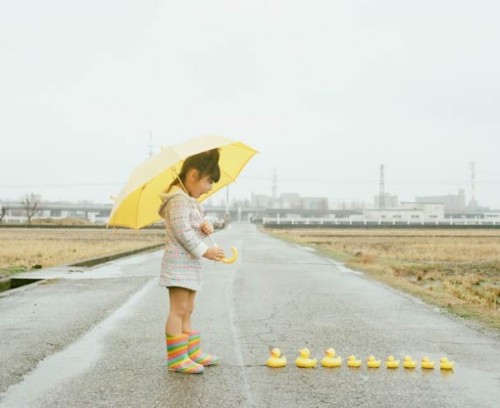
pixel 207 164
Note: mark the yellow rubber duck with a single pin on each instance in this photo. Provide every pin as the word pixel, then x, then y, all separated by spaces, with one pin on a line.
pixel 372 362
pixel 330 360
pixel 409 363
pixel 352 362
pixel 276 360
pixel 444 364
pixel 303 361
pixel 427 363
pixel 392 362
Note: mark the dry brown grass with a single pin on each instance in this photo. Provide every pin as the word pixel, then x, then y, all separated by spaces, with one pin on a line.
pixel 455 269
pixel 21 248
pixel 60 221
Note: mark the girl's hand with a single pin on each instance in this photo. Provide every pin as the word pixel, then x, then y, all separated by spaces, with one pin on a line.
pixel 207 228
pixel 214 253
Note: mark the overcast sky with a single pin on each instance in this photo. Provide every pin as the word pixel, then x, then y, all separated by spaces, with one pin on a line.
pixel 326 90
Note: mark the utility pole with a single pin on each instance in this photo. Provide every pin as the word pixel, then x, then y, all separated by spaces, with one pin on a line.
pixel 150 143
pixel 381 202
pixel 274 188
pixel 473 202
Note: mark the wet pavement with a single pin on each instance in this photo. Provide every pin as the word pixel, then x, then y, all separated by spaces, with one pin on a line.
pixel 94 337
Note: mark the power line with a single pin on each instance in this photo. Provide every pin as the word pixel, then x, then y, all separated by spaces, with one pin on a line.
pixel 267 179
pixel 368 181
pixel 110 184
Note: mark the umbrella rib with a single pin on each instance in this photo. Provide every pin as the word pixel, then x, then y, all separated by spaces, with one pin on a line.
pixel 241 168
pixel 228 176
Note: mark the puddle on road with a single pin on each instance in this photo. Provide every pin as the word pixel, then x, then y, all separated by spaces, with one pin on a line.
pixel 345 269
pixel 70 362
pixel 122 267
pixel 306 248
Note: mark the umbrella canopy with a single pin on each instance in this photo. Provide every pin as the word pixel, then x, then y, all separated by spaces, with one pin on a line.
pixel 137 204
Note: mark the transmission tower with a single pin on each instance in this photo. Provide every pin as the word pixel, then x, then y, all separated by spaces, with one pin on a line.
pixel 274 187
pixel 472 166
pixel 382 188
pixel 150 143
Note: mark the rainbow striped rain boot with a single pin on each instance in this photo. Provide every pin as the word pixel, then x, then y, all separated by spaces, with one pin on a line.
pixel 195 353
pixel 178 359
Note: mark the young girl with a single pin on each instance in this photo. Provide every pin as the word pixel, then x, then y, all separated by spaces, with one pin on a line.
pixel 181 269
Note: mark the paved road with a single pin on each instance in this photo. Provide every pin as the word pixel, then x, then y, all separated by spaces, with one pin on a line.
pixel 94 338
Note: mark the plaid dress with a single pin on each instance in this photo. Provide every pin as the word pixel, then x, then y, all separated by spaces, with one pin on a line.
pixel 182 264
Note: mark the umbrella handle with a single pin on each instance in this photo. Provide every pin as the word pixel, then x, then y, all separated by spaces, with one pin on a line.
pixel 233 258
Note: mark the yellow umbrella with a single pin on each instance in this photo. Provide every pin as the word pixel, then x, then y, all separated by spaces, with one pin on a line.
pixel 137 204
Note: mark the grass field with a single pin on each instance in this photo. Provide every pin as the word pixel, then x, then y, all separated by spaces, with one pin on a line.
pixel 23 249
pixel 455 269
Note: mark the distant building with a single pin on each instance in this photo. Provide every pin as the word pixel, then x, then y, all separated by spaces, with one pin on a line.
pixel 293 201
pixel 346 205
pixel 492 216
pixel 290 201
pixel 390 201
pixel 453 203
pixel 407 212
pixel 261 201
pixel 314 203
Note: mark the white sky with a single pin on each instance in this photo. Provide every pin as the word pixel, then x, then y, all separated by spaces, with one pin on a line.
pixel 326 90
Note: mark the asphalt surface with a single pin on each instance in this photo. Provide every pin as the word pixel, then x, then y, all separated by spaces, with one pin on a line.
pixel 94 338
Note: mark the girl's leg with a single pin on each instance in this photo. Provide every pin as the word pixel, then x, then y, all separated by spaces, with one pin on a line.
pixel 179 303
pixel 186 320
pixel 177 341
pixel 194 350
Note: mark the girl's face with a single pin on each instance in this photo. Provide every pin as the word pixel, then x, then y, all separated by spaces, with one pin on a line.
pixel 196 187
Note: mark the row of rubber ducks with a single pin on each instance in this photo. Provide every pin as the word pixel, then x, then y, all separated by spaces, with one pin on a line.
pixel 276 360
